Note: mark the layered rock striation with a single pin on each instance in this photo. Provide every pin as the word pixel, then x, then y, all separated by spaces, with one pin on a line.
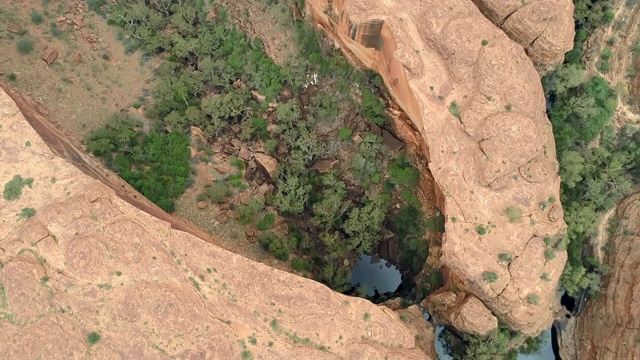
pixel 609 327
pixel 545 28
pixel 91 270
pixel 476 104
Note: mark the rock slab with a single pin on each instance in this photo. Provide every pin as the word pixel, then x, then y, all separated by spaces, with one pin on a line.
pixel 97 259
pixel 477 109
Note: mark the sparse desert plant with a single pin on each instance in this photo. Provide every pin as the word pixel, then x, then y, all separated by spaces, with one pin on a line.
pixel 490 276
pixel 505 257
pixel 481 229
pixel 13 188
pixel 549 254
pixel 36 17
pixel 218 192
pixel 454 109
pixel 514 214
pixel 24 46
pixel 93 338
pixel 533 299
pixel 26 213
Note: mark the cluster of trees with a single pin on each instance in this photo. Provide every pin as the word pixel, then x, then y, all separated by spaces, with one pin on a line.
pixel 207 80
pixel 155 163
pixel 502 343
pixel 594 175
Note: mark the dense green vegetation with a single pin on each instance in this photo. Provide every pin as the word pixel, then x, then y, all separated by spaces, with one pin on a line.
pixel 593 177
pixel 210 78
pixel 156 164
pixel 499 344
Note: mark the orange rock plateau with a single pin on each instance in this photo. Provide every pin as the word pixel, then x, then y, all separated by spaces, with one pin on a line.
pixel 476 103
pixel 545 28
pixel 97 257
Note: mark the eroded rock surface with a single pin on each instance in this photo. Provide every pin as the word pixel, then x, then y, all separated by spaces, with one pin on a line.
pixel 545 28
pixel 609 327
pixel 475 101
pixel 89 261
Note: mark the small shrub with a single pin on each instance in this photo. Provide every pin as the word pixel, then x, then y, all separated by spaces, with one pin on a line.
pixel 237 163
pixel 606 54
pixel 454 109
pixel 218 192
pixel 508 107
pixel 490 276
pixel 12 77
pixel 548 240
pixel 533 299
pixel 545 277
pixel 505 257
pixel 24 46
pixel 366 316
pixel 603 66
pixel 404 317
pixel 266 222
pixel 301 265
pixel 485 42
pixel 93 338
pixel 27 213
pixel 13 188
pixel 36 17
pixel 246 214
pixel 401 172
pixel 271 145
pixel 275 245
pixel 514 214
pixel 345 133
pixel 55 30
pixel 549 254
pixel 481 229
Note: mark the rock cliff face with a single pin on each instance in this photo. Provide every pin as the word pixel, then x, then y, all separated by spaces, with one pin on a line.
pixel 476 103
pixel 544 28
pixel 609 327
pixel 97 257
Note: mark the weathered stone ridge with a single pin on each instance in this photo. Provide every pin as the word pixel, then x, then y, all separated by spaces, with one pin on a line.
pixel 545 28
pixel 476 102
pixel 90 261
pixel 609 327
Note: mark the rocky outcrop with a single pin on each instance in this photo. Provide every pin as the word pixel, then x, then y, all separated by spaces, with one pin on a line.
pixel 464 312
pixel 91 270
pixel 476 104
pixel 609 327
pixel 544 28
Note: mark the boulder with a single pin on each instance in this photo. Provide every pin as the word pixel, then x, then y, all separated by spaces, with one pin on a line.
pixel 266 162
pixel 49 55
pixel 202 205
pixel 244 153
pixel 393 143
pixel 323 166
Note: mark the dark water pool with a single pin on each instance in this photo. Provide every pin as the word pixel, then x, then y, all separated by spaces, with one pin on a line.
pixel 375 274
